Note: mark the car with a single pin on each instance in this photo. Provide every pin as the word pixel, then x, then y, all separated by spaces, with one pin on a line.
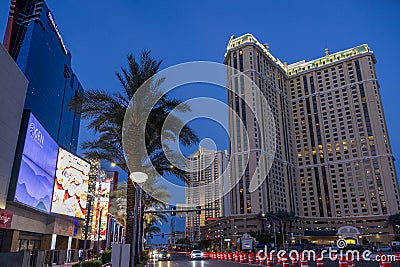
pixel 196 254
pixel 164 256
pixel 384 249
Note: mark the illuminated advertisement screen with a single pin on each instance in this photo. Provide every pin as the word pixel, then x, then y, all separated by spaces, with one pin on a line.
pixel 70 185
pixel 36 174
pixel 101 208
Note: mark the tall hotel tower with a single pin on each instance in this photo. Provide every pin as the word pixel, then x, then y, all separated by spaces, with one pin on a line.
pixel 34 41
pixel 205 188
pixel 333 164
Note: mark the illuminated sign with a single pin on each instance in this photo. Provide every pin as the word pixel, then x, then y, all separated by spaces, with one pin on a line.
pixel 5 219
pixel 36 174
pixel 70 185
pixel 36 134
pixel 53 22
pixel 101 208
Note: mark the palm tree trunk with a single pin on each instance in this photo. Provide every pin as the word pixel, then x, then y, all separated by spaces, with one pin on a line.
pixel 130 213
pixel 134 164
pixel 141 234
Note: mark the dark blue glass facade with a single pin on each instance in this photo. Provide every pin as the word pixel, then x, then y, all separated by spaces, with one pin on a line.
pixel 46 63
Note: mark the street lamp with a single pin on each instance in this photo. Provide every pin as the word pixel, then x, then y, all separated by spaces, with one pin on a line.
pixel 138 178
pixel 220 236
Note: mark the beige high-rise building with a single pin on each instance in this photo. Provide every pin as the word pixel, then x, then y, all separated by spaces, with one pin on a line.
pixel 205 188
pixel 333 164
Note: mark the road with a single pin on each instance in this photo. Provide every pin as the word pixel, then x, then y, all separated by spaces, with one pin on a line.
pixel 180 260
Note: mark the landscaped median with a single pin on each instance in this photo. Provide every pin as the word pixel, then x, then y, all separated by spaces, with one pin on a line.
pixel 105 259
pixel 95 263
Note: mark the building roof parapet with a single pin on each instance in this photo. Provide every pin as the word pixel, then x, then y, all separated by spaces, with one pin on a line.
pixel 294 69
pixel 303 65
pixel 249 38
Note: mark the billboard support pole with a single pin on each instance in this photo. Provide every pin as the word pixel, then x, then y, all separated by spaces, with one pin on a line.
pixel 99 232
pixel 88 214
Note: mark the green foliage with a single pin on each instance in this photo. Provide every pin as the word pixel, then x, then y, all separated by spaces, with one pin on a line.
pixel 95 263
pixel 263 237
pixel 204 244
pixel 145 255
pixel 394 220
pixel 106 256
pixel 106 112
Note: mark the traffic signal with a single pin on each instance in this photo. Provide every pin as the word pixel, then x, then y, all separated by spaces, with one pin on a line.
pixel 208 236
pixel 198 210
pixel 173 213
pixel 162 235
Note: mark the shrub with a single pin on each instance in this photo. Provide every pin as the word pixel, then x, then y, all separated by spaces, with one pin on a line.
pixel 106 256
pixel 95 263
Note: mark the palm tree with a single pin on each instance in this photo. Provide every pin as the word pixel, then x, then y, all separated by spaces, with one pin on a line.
pixel 394 220
pixel 286 219
pixel 151 203
pixel 118 203
pixel 106 113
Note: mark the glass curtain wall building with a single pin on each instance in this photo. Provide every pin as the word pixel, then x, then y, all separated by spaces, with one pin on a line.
pixel 34 41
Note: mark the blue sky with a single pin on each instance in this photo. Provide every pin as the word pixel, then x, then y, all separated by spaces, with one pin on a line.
pixel 101 33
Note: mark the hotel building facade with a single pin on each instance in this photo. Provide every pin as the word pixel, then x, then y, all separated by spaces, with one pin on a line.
pixel 205 188
pixel 333 164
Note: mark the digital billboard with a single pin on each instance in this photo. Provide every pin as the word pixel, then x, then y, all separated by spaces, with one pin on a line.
pixel 70 185
pixel 101 208
pixel 36 173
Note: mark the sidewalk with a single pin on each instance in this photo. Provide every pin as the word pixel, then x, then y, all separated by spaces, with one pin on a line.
pixel 66 264
pixel 72 263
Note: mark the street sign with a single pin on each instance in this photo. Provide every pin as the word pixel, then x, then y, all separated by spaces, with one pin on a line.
pixel 246 241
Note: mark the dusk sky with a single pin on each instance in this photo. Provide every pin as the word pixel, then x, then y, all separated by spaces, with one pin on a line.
pixel 100 34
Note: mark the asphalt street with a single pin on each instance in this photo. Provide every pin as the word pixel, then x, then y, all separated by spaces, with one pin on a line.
pixel 180 260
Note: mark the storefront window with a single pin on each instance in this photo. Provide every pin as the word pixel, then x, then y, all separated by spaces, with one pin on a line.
pixel 24 244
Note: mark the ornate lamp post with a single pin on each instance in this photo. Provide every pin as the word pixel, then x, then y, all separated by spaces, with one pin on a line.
pixel 138 178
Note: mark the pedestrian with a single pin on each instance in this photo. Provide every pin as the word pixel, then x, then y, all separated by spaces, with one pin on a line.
pixel 80 255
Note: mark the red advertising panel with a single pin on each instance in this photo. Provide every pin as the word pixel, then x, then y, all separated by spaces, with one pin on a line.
pixel 5 219
pixel 70 185
pixel 101 206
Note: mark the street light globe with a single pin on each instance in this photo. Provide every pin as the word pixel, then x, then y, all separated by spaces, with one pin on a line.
pixel 138 177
